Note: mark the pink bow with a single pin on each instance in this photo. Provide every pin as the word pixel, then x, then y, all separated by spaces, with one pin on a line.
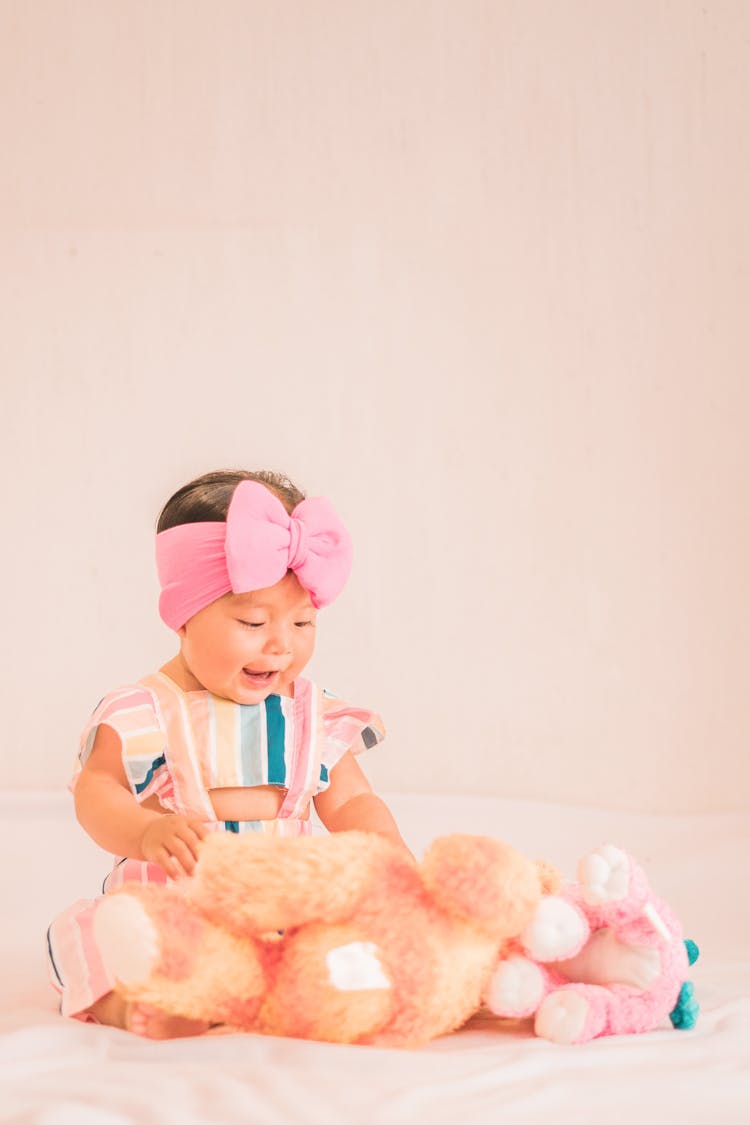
pixel 263 541
pixel 254 548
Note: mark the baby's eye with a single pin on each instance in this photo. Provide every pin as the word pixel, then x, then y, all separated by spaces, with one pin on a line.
pixel 251 624
pixel 300 624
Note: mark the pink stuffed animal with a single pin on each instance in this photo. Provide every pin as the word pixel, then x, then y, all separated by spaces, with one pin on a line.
pixel 606 958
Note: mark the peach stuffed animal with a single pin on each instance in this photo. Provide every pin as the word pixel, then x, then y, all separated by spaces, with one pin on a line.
pixel 374 949
pixel 620 968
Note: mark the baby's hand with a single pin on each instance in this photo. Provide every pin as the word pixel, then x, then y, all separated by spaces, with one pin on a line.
pixel 173 842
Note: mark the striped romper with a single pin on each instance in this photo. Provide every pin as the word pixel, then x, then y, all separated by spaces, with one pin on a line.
pixel 176 745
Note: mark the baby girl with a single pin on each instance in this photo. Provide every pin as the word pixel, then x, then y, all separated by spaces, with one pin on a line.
pixel 227 735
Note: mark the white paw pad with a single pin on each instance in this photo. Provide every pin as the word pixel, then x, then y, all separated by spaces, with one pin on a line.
pixel 356 966
pixel 557 930
pixel 516 988
pixel 604 875
pixel 561 1017
pixel 126 938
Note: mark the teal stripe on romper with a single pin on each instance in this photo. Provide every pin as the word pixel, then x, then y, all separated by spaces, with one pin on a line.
pixel 157 762
pixel 251 747
pixel 275 733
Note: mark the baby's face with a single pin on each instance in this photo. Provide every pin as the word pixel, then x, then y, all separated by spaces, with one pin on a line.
pixel 245 647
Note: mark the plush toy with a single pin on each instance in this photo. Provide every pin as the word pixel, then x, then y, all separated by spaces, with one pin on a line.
pixel 340 938
pixel 621 970
pixel 343 938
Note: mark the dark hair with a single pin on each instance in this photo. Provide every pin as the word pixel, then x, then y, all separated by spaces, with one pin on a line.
pixel 206 499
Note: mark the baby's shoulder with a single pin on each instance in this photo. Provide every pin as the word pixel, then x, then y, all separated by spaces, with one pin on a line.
pixel 348 726
pixel 131 714
pixel 128 709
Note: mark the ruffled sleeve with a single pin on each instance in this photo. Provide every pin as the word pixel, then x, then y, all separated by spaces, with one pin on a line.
pixel 131 714
pixel 347 728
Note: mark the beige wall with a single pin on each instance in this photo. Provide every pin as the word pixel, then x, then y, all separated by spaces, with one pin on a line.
pixel 479 272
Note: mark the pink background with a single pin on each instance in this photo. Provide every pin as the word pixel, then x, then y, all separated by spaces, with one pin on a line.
pixel 478 272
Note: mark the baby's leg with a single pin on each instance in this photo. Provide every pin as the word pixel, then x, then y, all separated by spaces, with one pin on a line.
pixel 84 983
pixel 163 958
pixel 114 1010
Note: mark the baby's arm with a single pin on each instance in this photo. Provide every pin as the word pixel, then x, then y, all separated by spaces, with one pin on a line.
pixel 349 802
pixel 109 812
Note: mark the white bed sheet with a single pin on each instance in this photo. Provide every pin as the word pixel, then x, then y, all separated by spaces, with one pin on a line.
pixel 58 1072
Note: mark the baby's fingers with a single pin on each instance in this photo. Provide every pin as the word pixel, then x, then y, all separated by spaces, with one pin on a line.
pixel 193 838
pixel 168 863
pixel 185 851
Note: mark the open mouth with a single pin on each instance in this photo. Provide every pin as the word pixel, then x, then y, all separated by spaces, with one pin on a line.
pixel 259 679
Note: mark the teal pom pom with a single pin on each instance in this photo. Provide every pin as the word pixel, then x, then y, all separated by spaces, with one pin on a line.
pixel 685 1012
pixel 693 951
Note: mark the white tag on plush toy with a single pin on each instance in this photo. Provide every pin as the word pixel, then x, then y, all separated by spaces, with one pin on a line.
pixel 657 921
pixel 356 966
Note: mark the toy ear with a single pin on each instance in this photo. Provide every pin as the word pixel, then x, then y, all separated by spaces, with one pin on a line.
pixel 549 877
pixel 483 881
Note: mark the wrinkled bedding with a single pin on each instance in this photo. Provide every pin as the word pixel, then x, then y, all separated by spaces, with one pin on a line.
pixel 58 1072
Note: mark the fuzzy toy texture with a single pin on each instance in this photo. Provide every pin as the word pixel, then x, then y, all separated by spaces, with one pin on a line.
pixel 343 938
pixel 339 938
pixel 622 970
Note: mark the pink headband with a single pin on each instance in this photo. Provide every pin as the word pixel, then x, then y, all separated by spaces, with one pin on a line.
pixel 200 562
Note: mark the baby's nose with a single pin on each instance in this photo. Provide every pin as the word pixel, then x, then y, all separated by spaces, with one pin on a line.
pixel 279 640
